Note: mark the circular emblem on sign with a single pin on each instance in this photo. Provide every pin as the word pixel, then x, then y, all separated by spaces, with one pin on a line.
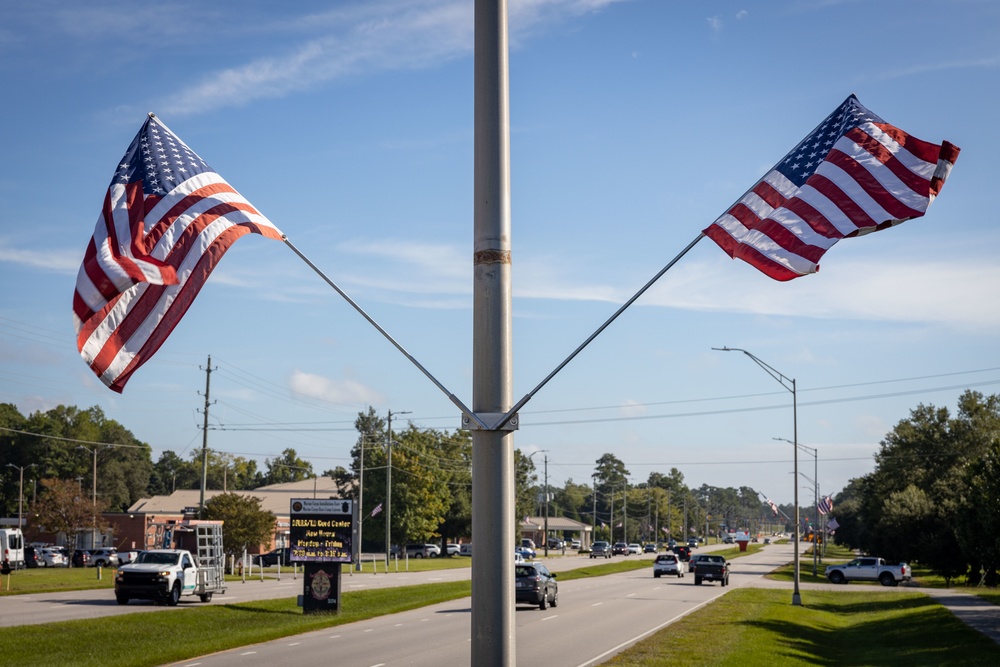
pixel 296 506
pixel 320 585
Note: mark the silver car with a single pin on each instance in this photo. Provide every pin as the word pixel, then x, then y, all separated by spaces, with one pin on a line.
pixel 668 564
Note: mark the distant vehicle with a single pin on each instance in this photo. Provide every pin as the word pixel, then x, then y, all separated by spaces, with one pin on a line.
pixel 11 549
pixel 868 568
pixel 527 543
pixel 671 543
pixel 693 542
pixel 683 553
pixel 525 552
pixel 634 548
pixel 81 558
pixel 165 575
pixel 667 564
pixel 518 558
pixel 453 549
pixel 422 551
pixel 465 549
pixel 33 557
pixel 104 557
pixel 280 556
pixel 649 548
pixel 575 544
pixel 52 558
pixel 556 543
pixel 126 557
pixel 620 548
pixel 730 538
pixel 600 549
pixel 709 567
pixel 534 584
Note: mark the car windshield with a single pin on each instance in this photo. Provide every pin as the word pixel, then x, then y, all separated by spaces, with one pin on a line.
pixel 155 558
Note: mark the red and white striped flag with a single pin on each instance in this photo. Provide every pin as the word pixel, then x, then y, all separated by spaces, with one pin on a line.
pixel 167 220
pixel 854 174
pixel 377 510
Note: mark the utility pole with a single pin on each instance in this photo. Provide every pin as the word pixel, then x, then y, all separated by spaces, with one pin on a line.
pixel 388 485
pixel 20 494
pixel 361 496
pixel 546 458
pixel 204 441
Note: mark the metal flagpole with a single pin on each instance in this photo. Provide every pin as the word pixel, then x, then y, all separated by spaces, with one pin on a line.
pixel 454 399
pixel 493 520
pixel 527 397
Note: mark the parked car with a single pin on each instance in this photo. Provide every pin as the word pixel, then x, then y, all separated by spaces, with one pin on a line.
pixel 620 548
pixel 575 544
pixel 422 550
pixel 866 568
pixel 534 584
pixel 452 550
pixel 600 549
pixel 33 557
pixel 556 543
pixel 649 548
pixel 104 557
pixel 81 558
pixel 518 558
pixel 667 564
pixel 525 552
pixel 634 548
pixel 53 558
pixel 126 557
pixel 527 543
pixel 281 555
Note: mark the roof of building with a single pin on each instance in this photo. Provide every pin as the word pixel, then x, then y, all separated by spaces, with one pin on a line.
pixel 275 498
pixel 555 523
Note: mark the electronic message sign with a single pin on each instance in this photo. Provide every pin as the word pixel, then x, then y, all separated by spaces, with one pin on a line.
pixel 321 530
pixel 319 537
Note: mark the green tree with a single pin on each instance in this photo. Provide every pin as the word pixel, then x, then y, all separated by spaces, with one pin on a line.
pixel 62 507
pixel 287 468
pixel 245 524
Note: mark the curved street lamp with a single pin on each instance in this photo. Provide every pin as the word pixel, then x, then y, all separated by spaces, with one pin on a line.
pixel 789 384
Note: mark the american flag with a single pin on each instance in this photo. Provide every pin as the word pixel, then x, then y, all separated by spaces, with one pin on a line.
pixel 167 220
pixel 377 510
pixel 774 508
pixel 825 506
pixel 854 174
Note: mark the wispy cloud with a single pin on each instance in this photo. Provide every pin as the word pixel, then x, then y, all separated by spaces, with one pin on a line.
pixel 369 38
pixel 58 261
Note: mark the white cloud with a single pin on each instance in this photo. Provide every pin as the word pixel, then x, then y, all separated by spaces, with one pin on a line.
pixel 333 391
pixel 715 23
pixel 742 14
pixel 372 37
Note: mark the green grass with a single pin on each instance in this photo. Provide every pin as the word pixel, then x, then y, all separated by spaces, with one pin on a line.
pixel 53 579
pixel 200 630
pixel 751 627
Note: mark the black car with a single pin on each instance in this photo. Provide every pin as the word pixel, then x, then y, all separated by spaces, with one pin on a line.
pixel 534 584
pixel 33 557
pixel 620 549
pixel 274 557
pixel 80 558
pixel 683 553
pixel 600 549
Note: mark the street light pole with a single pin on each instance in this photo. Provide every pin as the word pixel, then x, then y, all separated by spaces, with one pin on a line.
pixel 815 482
pixel 20 493
pixel 784 381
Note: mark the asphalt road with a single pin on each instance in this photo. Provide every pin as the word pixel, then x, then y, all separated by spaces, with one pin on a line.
pixel 596 618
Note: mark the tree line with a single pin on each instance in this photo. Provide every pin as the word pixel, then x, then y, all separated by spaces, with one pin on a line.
pixel 934 495
pixel 431 481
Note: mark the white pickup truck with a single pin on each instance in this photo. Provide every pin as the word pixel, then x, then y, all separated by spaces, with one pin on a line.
pixel 165 575
pixel 868 568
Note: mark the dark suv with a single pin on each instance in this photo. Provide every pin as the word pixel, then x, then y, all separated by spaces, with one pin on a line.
pixel 274 557
pixel 534 584
pixel 600 549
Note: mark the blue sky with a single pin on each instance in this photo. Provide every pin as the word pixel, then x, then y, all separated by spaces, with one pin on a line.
pixel 634 124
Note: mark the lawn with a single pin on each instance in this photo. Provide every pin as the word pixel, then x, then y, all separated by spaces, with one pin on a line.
pixel 757 627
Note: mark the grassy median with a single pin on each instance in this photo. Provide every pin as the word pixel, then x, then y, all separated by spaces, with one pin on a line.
pixel 757 627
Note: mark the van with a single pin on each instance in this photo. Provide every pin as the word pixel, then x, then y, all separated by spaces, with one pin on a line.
pixel 11 549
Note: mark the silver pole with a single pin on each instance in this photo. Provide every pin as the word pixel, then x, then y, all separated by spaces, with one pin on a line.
pixel 361 497
pixel 796 597
pixel 493 518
